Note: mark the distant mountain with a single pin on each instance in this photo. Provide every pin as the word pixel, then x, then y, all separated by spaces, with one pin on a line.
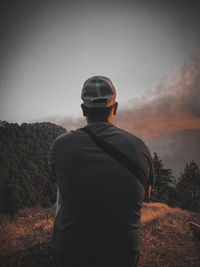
pixel 177 149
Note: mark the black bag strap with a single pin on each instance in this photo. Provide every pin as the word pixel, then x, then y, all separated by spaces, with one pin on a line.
pixel 117 155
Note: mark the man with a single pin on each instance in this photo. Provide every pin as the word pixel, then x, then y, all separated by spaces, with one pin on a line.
pixel 98 216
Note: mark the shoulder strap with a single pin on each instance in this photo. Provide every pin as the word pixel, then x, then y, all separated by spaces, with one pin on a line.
pixel 117 155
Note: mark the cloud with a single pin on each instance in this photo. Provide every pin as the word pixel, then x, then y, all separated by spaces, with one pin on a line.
pixel 173 105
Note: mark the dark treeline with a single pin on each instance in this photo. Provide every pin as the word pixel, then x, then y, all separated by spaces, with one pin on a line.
pixel 26 179
pixel 25 175
pixel 183 192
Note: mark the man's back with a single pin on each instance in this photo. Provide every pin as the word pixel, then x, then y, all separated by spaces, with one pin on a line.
pixel 99 218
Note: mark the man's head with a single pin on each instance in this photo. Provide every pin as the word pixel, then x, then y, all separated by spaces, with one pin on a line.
pixel 98 95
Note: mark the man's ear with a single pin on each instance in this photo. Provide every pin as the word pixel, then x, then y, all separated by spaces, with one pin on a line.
pixel 84 110
pixel 115 106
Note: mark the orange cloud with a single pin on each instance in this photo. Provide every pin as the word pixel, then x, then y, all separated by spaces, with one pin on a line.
pixel 174 104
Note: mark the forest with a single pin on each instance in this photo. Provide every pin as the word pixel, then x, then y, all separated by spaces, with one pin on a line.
pixel 26 179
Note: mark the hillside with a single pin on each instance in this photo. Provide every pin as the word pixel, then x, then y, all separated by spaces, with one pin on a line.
pixel 167 239
pixel 26 179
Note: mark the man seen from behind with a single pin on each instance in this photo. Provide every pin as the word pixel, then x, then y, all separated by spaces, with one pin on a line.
pixel 103 175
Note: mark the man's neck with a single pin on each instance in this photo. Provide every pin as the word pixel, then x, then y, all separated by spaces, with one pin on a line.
pixel 98 121
pixel 110 119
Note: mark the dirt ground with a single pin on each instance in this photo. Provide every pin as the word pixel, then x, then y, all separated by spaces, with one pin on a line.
pixel 166 238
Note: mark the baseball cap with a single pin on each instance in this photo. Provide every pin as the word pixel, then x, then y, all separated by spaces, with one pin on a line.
pixel 98 92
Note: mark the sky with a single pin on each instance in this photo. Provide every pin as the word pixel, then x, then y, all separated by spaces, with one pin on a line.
pixel 173 105
pixel 49 48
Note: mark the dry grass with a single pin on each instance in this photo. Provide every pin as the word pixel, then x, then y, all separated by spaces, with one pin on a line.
pixel 25 238
pixel 167 239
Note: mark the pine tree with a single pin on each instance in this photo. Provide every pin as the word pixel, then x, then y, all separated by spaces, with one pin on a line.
pixel 163 178
pixel 189 181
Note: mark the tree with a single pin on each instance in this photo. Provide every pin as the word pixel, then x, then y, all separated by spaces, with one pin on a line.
pixel 25 175
pixel 11 200
pixel 189 181
pixel 163 178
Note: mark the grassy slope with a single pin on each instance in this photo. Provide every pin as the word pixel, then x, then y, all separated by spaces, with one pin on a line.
pixel 167 239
